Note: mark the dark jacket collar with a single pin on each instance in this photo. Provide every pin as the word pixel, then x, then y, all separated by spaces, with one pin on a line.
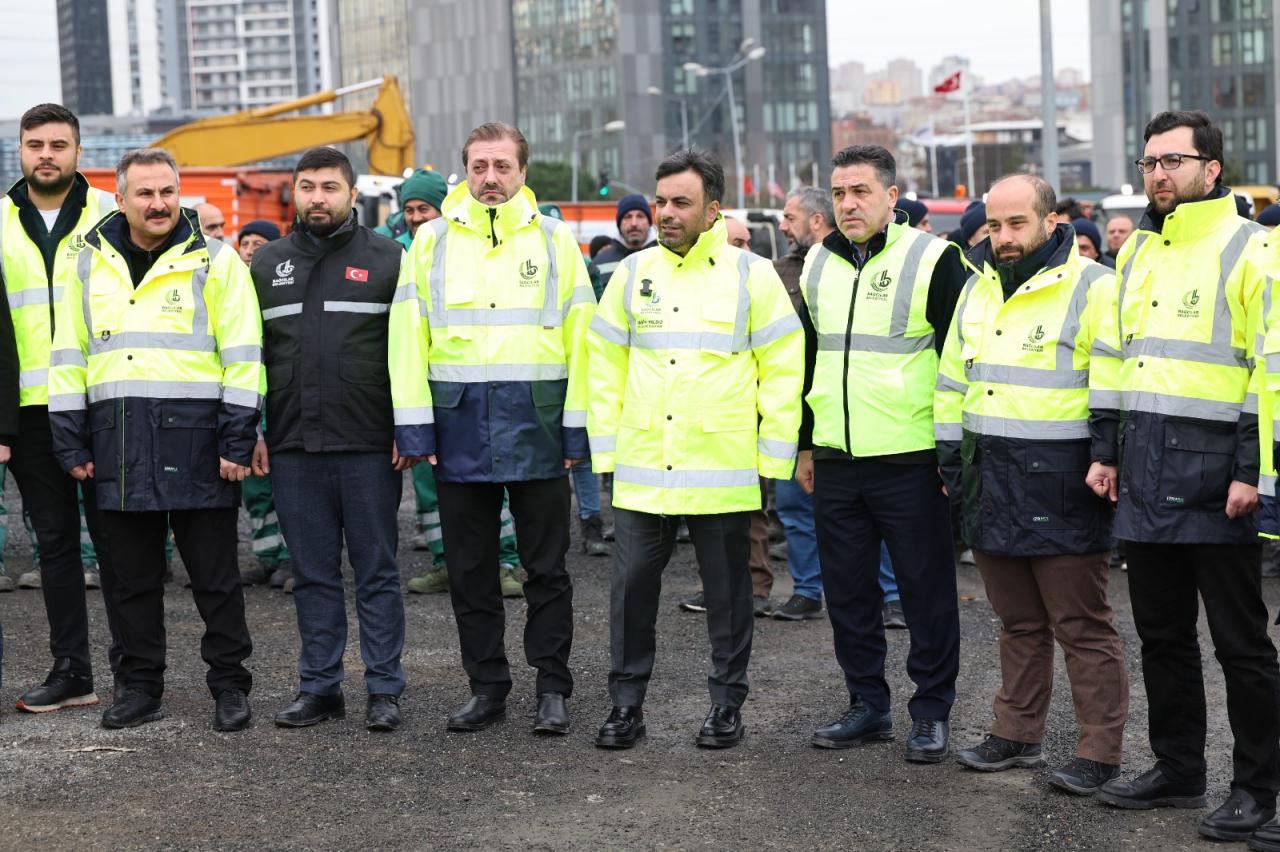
pixel 1055 252
pixel 307 238
pixel 840 245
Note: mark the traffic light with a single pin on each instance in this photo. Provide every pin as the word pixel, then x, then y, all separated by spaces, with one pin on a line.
pixel 604 183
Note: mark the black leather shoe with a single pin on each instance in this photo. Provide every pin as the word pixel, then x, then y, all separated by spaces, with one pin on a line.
pixel 1152 789
pixel 1238 817
pixel 309 709
pixel 382 713
pixel 552 716
pixel 929 741
pixel 623 728
pixel 478 713
pixel 135 708
pixel 1266 838
pixel 722 728
pixel 231 710
pixel 859 724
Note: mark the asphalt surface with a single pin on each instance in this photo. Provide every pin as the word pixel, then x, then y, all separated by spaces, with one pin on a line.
pixel 176 784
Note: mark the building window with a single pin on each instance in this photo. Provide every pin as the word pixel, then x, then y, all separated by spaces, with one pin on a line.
pixel 1221 49
pixel 1255 134
pixel 1253 46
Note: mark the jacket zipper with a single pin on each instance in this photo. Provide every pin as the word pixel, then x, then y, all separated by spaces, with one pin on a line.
pixel 848 342
pixel 493 233
pixel 122 444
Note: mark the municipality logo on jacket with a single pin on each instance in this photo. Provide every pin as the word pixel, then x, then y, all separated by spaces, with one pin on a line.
pixel 284 274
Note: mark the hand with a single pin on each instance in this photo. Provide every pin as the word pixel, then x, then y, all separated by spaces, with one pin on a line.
pixel 568 463
pixel 945 492
pixel 83 471
pixel 1241 499
pixel 1103 479
pixel 231 471
pixel 400 462
pixel 5 454
pixel 804 470
pixel 261 463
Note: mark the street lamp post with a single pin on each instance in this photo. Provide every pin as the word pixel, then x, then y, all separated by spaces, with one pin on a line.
pixel 684 111
pixel 611 127
pixel 746 53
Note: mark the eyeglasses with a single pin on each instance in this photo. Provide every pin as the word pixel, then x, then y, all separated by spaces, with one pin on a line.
pixel 1168 162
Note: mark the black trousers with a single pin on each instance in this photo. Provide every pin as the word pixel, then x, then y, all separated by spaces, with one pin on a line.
pixel 857 504
pixel 49 495
pixel 641 549
pixel 469 523
pixel 1166 583
pixel 207 540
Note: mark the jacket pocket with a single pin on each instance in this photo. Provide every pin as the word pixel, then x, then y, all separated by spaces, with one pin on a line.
pixel 446 394
pixel 187 442
pixel 1195 467
pixel 719 316
pixel 1049 491
pixel 104 441
pixel 366 397
pixel 284 402
pixel 549 393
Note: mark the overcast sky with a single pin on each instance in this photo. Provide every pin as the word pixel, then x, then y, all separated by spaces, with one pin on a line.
pixel 29 45
pixel 1000 37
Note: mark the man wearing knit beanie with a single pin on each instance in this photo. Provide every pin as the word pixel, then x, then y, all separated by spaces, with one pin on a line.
pixel 421 195
pixel 635 221
pixel 254 235
pixel 973 226
pixel 1089 242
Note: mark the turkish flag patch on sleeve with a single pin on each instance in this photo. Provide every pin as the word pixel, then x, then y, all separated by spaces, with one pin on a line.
pixel 355 273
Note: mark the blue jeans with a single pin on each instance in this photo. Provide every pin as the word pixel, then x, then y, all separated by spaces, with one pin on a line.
pixel 322 498
pixel 888 582
pixel 795 510
pixel 586 487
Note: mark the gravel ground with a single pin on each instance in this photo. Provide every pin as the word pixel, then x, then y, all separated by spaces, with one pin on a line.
pixel 176 784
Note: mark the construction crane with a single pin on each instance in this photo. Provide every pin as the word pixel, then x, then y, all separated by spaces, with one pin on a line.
pixel 259 134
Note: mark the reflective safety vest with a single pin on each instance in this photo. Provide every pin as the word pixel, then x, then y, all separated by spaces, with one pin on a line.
pixel 1011 409
pixel 697 366
pixel 1189 306
pixel 487 340
pixel 876 364
pixel 1266 255
pixel 32 292
pixel 154 383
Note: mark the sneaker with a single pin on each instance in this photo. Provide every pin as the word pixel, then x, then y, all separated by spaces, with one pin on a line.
pixel 593 543
pixel 798 608
pixel 282 573
pixel 509 581
pixel 762 606
pixel 694 603
pixel 433 582
pixel 966 557
pixel 287 588
pixel 995 754
pixel 894 618
pixel 607 535
pixel 92 576
pixel 62 688
pixel 1083 777
pixel 6 583
pixel 682 533
pixel 420 541
pixel 29 579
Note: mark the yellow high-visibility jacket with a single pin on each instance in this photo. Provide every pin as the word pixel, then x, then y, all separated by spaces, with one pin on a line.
pixel 697 365
pixel 154 383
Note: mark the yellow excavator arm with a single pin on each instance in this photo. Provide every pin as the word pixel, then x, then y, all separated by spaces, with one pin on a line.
pixel 259 134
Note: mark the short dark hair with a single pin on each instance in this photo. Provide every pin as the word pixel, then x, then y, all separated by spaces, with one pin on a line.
pixel 492 131
pixel 702 163
pixel 597 244
pixel 1045 200
pixel 1205 135
pixel 42 114
pixel 876 156
pixel 324 157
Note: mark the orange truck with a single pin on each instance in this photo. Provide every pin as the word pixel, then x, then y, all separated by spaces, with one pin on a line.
pixel 241 193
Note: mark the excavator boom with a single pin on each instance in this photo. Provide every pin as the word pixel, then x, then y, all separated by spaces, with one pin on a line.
pixel 260 134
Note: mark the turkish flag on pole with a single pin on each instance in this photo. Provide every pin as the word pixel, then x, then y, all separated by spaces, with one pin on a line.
pixel 951 84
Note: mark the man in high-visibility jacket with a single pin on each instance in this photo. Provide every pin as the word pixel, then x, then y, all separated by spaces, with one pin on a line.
pixel 696 370
pixel 43 222
pixel 880 296
pixel 154 394
pixel 490 325
pixel 1188 476
pixel 1011 418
